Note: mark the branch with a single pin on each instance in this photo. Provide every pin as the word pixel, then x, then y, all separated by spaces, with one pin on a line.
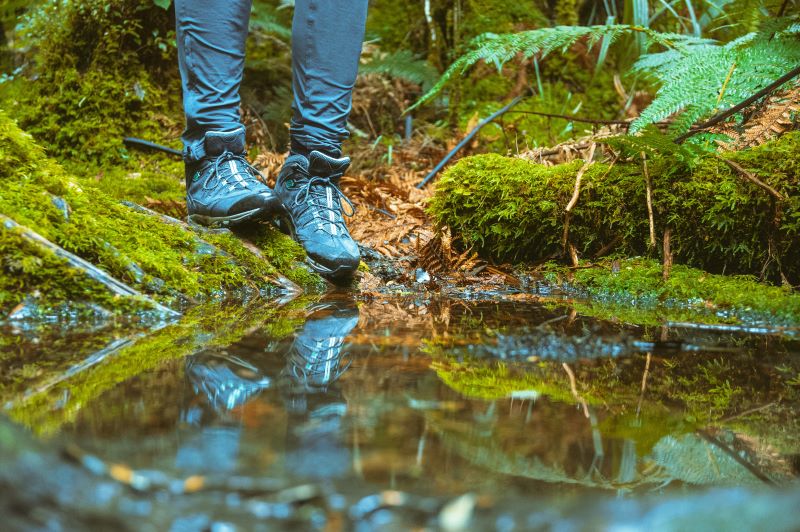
pixel 752 178
pixel 467 138
pixel 576 118
pixel 716 119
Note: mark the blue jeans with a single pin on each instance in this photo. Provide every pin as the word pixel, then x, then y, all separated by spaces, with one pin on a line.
pixel 326 46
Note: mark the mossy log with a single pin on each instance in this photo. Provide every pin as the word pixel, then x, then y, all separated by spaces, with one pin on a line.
pixel 168 262
pixel 115 287
pixel 513 209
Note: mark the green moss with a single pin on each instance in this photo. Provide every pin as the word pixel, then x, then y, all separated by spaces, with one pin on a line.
pixel 138 179
pixel 513 209
pixel 167 260
pixel 286 255
pixel 94 64
pixel 27 268
pixel 637 293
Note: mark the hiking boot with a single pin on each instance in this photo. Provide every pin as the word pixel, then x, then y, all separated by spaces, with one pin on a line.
pixel 309 191
pixel 222 188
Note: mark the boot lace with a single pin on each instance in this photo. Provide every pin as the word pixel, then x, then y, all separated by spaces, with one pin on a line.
pixel 313 191
pixel 248 177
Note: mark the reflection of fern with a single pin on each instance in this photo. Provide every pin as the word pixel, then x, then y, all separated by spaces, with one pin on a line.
pixel 499 49
pixel 706 78
pixel 403 65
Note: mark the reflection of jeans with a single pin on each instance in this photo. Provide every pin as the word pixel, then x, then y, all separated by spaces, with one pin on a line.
pixel 314 361
pixel 326 45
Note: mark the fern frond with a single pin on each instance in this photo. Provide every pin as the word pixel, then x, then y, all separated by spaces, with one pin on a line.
pixel 705 79
pixel 498 49
pixel 654 142
pixel 403 65
pixel 263 18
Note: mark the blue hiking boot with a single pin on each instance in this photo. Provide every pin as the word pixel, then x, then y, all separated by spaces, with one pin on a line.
pixel 309 191
pixel 222 188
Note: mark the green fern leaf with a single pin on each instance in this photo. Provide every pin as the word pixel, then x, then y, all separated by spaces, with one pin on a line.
pixel 699 80
pixel 402 65
pixel 499 49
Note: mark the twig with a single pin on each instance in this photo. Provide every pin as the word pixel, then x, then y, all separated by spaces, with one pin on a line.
pixel 489 119
pixel 576 193
pixel 667 265
pixel 748 412
pixel 649 191
pixel 724 327
pixel 733 454
pixel 139 143
pixel 573 386
pixel 603 251
pixel 752 178
pixel 573 255
pixel 719 117
pixel 644 383
pixel 576 118
pixel 115 286
pixel 574 200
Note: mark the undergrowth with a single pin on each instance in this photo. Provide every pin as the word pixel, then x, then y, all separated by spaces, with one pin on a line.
pixel 101 71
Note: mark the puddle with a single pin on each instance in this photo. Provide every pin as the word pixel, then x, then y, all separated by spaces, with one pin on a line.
pixel 401 412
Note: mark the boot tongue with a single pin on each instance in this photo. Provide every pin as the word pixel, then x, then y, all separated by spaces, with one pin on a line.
pixel 218 142
pixel 321 165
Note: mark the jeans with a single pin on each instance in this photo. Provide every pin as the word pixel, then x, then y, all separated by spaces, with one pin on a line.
pixel 326 46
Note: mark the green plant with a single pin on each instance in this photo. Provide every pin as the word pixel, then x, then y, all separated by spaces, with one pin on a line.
pixel 697 76
pixel 403 65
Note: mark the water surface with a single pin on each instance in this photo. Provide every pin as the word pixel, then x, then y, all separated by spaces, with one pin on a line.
pixel 415 411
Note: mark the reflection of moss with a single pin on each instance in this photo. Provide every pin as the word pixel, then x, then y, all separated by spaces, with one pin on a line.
pixel 497 380
pixel 513 209
pixel 683 392
pixel 634 291
pixel 204 327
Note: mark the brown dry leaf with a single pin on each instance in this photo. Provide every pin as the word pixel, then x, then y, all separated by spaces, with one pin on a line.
pixel 438 256
pixel 768 120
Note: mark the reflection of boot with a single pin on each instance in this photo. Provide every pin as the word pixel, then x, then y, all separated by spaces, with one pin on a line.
pixel 227 381
pixel 316 359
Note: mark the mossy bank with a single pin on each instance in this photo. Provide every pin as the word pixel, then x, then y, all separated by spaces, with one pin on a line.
pixel 511 209
pixel 162 258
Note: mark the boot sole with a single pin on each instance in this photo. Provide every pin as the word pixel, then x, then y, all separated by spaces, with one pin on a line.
pixel 340 273
pixel 228 221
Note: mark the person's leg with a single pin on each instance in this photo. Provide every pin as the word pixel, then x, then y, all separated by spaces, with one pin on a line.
pixel 211 38
pixel 221 186
pixel 326 46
